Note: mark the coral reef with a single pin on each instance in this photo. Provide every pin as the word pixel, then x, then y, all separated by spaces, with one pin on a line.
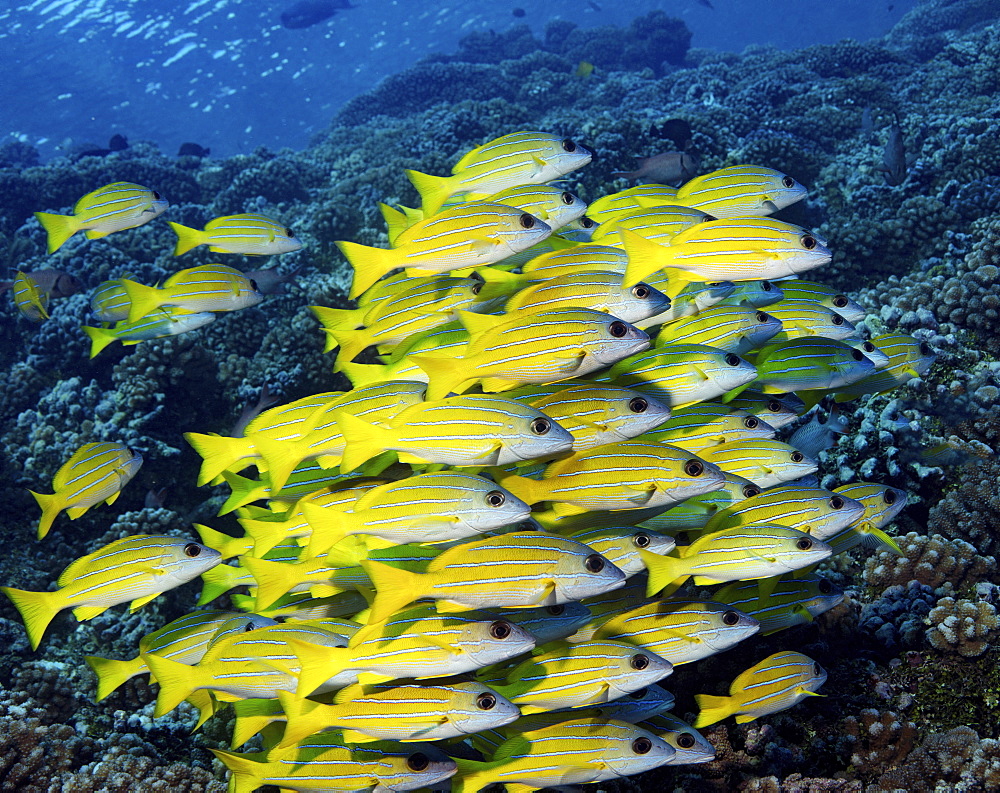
pixel 962 626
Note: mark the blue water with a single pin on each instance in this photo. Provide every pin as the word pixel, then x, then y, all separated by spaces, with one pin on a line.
pixel 229 76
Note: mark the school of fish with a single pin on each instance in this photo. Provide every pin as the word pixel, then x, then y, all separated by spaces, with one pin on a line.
pixel 481 563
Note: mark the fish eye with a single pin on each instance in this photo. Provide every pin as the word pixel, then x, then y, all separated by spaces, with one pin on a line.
pixel 925 348
pixel 766 286
pixel 639 661
pixel 501 629
pixel 477 287
pixel 839 301
pixel 495 498
pixel 417 761
pixel 641 540
pixel 556 611
pixel 803 543
pixel 825 587
pixel 568 145
pixel 639 694
pixel 857 355
pixel 642 745
pixel 868 346
pixel 798 457
pixel 289 233
pixel 762 317
pixel 527 221
pixel 889 496
pixel 638 405
pixel 694 468
pixel 541 426
pixel 732 359
pixel 774 405
pixel 486 702
pixel 248 627
pixel 640 291
pixel 817 669
pixel 685 740
pixel 587 223
pixel 749 491
pixel 787 181
pixel 594 563
pixel 568 198
pixel 253 286
pixel 730 618
pixel 837 502
pixel 192 550
pixel 808 241
pixel 618 329
pixel 156 196
pixel 836 319
pixel 751 422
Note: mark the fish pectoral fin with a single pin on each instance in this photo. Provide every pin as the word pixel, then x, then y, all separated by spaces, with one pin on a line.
pixel 769 206
pixel 484 245
pixel 114 496
pixel 84 613
pixel 138 603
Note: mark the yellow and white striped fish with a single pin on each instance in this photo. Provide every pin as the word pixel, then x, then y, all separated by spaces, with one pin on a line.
pixel 808 363
pixel 136 568
pixel 114 207
pixel 94 473
pixel 598 291
pixel 161 323
pixel 644 195
pixel 794 289
pixel 777 410
pixel 740 191
pixel 763 461
pixel 678 629
pixel 706 424
pixel 546 623
pixel 209 287
pixel 620 544
pixel 693 513
pixel 250 234
pixel 515 570
pixel 792 601
pixel 881 505
pixel 690 747
pixel 550 203
pixel 31 301
pixel 735 329
pixel 109 302
pixel 658 224
pixel 516 159
pixel 691 300
pixel 908 358
pixel 808 318
pixel 755 294
pixel 579 230
pixel 776 683
pixel 577 675
pixel 757 550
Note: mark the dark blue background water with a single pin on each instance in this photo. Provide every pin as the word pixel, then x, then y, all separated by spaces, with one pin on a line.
pixel 228 75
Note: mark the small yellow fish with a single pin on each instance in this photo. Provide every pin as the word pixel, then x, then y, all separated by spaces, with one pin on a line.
pixel 109 302
pixel 136 568
pixel 114 207
pixel 209 287
pixel 30 300
pixel 741 191
pixel 776 683
pixel 250 234
pixel 163 322
pixel 95 472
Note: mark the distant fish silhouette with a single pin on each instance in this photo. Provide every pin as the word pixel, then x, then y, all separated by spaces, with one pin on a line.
pixel 518 12
pixel 192 150
pixel 117 143
pixel 671 167
pixel 894 160
pixel 706 3
pixel 307 13
pixel 676 130
pixel 594 5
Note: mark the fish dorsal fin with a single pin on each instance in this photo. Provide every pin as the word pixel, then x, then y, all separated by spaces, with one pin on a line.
pixel 513 746
pixel 477 324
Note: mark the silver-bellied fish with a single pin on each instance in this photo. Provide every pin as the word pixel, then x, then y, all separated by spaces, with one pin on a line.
pixel 690 747
pixel 620 544
pixel 757 550
pixel 730 328
pixel 829 296
pixel 31 301
pixel 529 569
pixel 137 568
pixel 579 230
pixel 114 207
pixel 94 473
pixel 817 436
pixel 644 195
pixel 209 287
pixel 250 234
pixel 598 291
pixel 763 461
pixel 808 318
pixel 776 683
pixel 693 513
pixel 659 224
pixel 740 191
pixel 161 323
pixel 777 410
pixel 519 158
pixel 792 601
pixel 706 424
pixel 755 294
pixel 881 505
pixel 691 300
pixel 505 352
pixel 908 358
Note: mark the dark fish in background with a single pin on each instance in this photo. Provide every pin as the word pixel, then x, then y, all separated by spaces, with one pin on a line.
pixel 706 3
pixel 54 283
pixel 192 150
pixel 270 282
pixel 250 412
pixel 594 5
pixel 867 125
pixel 118 143
pixel 894 162
pixel 676 130
pixel 519 12
pixel 307 13
pixel 155 498
pixel 672 167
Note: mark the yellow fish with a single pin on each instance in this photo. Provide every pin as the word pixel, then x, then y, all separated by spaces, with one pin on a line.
pixel 741 191
pixel 209 287
pixel 250 234
pixel 30 300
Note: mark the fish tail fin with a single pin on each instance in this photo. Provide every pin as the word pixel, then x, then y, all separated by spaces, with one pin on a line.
pixel 252 716
pixel 303 718
pixel 217 581
pixel 59 228
pixel 338 318
pixel 243 491
pixel 445 375
pixel 272 579
pixel 711 709
pixel 663 571
pixel 397 220
pixel 395 588
pixel 225 544
pixel 328 528
pixel 37 610
pixel 246 774
pixel 362 374
pixel 369 264
pixel 111 672
pixel 362 440
pixel 434 190
pixel 645 257
pixel 472 775
pixel 281 458
pixel 99 338
pixel 318 664
pixel 265 534
pixel 351 341
pixel 177 682
pixel 51 506
pixel 143 299
pixel 876 538
pixel 218 453
pixel 187 238
pixel 528 490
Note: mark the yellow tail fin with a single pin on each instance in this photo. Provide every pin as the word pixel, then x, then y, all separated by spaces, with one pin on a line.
pixel 663 571
pixel 247 773
pixel 281 457
pixel 37 610
pixel 362 440
pixel 225 544
pixel 369 264
pixel 434 190
pixel 273 579
pixel 99 338
pixel 361 374
pixel 711 709
pixel 244 491
pixel 217 581
pixel 187 238
pixel 144 299
pixel 303 716
pixel 395 588
pixel 177 682
pixel 111 672
pixel 445 375
pixel 51 506
pixel 252 716
pixel 219 453
pixel 59 228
